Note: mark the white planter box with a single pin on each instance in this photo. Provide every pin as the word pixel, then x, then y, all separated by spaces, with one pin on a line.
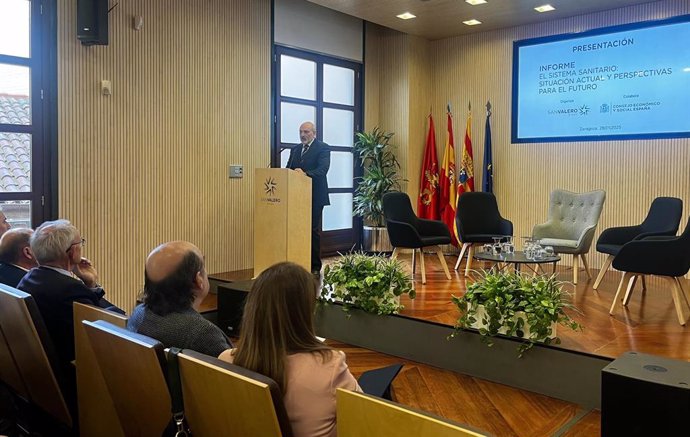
pixel 481 314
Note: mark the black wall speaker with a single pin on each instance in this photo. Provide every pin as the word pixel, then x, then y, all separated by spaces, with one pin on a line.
pixel 231 299
pixel 92 22
pixel 645 395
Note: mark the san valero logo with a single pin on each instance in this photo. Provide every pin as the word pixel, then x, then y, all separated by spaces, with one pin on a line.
pixel 584 110
pixel 270 187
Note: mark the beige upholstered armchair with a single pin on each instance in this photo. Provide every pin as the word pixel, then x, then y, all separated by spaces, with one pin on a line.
pixel 573 218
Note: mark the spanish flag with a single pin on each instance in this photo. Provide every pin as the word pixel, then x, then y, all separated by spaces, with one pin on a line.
pixel 466 176
pixel 448 191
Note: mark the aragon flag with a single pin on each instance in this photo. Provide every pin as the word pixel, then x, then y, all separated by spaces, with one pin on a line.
pixel 466 176
pixel 448 188
pixel 428 201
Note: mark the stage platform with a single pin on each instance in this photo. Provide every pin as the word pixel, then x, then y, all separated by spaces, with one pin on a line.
pixel 648 324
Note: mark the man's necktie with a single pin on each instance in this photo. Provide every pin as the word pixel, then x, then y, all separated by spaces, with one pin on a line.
pixel 305 148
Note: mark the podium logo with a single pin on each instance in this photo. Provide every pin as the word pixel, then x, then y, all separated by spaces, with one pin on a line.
pixel 270 187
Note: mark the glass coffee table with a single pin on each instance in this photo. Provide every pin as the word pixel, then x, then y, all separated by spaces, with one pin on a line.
pixel 518 259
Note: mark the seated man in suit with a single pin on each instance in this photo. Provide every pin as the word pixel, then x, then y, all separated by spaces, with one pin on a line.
pixel 175 284
pixel 62 277
pixel 16 258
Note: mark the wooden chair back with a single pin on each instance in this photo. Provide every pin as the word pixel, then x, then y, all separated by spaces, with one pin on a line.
pixel 9 373
pixel 224 399
pixel 132 367
pixel 97 415
pixel 33 352
pixel 363 415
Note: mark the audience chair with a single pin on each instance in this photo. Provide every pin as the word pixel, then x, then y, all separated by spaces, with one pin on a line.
pixel 132 367
pixel 666 256
pixel 224 399
pixel 663 218
pixel 478 221
pixel 363 415
pixel 9 373
pixel 97 414
pixel 34 355
pixel 407 231
pixel 573 218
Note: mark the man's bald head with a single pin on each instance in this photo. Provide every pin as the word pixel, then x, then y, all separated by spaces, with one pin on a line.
pixel 15 248
pixel 167 257
pixel 175 277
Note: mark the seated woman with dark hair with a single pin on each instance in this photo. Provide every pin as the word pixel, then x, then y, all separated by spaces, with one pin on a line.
pixel 175 285
pixel 277 340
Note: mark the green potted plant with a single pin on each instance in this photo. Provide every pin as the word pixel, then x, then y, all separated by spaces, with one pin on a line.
pixel 380 177
pixel 517 305
pixel 373 283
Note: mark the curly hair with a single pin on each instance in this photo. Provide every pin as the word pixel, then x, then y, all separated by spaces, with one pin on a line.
pixel 173 293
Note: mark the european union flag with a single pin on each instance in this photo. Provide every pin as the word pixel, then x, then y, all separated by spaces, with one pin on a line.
pixel 488 178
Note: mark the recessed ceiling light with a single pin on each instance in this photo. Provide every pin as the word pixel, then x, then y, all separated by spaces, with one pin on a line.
pixel 544 8
pixel 406 16
pixel 475 2
pixel 472 22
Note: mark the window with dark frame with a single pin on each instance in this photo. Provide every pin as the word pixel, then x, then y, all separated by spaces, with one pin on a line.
pixel 327 91
pixel 23 127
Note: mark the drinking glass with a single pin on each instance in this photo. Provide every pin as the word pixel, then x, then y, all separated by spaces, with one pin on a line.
pixel 488 249
pixel 549 251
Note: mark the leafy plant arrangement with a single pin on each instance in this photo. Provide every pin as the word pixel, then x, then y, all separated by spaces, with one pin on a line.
pixel 380 174
pixel 373 283
pixel 516 305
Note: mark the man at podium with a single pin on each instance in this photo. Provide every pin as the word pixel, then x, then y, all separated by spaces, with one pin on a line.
pixel 313 159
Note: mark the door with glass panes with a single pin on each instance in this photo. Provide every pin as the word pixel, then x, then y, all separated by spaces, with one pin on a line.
pixel 327 91
pixel 21 98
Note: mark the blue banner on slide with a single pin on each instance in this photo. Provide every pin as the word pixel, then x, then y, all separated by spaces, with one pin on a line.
pixel 620 82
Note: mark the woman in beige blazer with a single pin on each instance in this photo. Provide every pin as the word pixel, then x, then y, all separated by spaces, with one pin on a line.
pixel 277 340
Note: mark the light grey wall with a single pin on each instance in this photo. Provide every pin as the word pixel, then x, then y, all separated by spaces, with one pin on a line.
pixel 305 25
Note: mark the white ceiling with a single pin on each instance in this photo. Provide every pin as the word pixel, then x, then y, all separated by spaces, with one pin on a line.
pixel 437 19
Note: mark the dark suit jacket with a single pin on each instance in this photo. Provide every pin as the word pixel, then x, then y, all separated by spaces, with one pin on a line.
pixel 315 164
pixel 54 294
pixel 11 275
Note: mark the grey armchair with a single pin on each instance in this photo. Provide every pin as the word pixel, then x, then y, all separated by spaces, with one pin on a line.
pixel 573 218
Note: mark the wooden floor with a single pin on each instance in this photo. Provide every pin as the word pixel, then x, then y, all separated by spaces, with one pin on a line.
pixel 493 408
pixel 648 324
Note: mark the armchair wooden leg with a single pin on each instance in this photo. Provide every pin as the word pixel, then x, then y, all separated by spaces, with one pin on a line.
pixel 421 261
pixel 470 254
pixel 414 261
pixel 625 279
pixel 602 272
pixel 584 263
pixel 441 258
pixel 644 283
pixel 462 253
pixel 629 290
pixel 683 293
pixel 576 268
pixel 676 291
pixel 395 253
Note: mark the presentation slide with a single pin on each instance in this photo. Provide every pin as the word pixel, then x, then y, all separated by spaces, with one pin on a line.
pixel 630 81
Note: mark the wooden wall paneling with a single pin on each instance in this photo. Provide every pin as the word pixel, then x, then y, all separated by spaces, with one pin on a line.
pixel 149 164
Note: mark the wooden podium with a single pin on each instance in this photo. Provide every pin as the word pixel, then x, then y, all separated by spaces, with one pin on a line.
pixel 282 218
